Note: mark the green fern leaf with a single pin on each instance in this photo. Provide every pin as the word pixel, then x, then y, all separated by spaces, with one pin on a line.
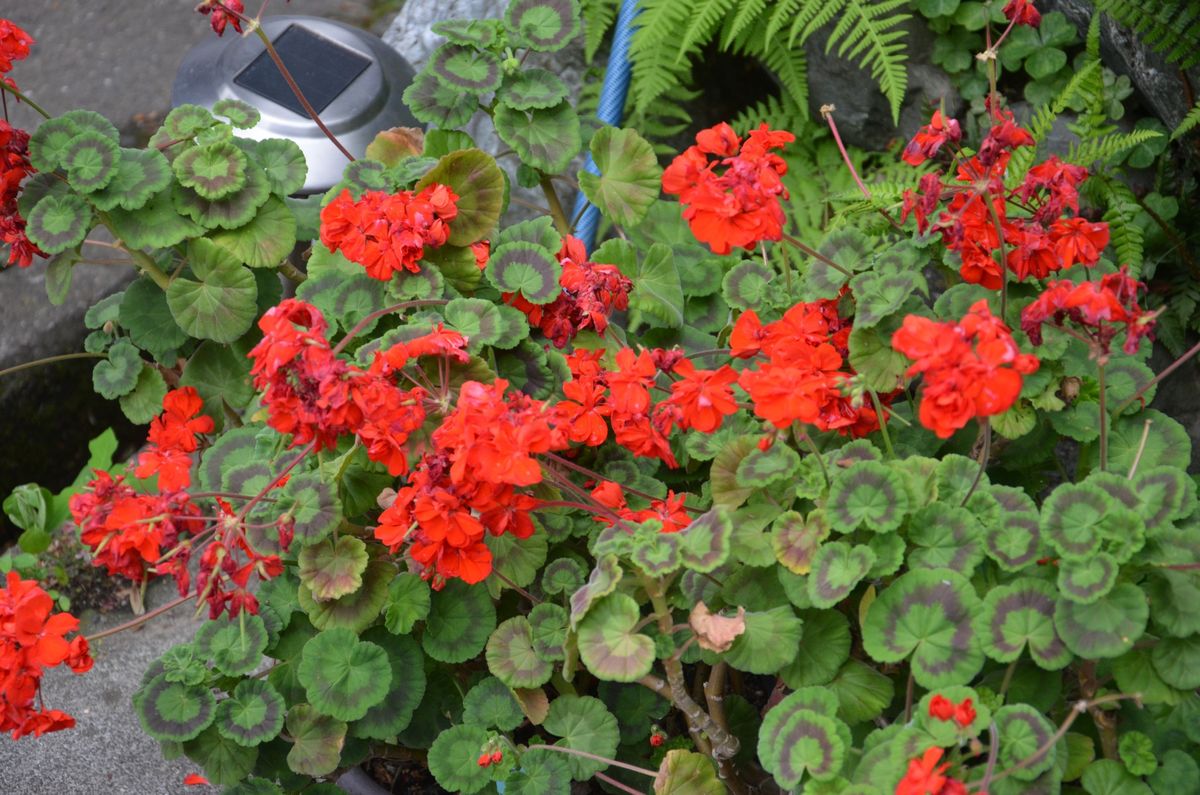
pixel 1169 27
pixel 1106 147
pixel 810 18
pixel 1189 123
pixel 869 34
pixel 785 11
pixel 598 17
pixel 705 18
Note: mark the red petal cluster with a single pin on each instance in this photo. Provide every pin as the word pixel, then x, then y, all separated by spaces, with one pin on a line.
pixel 226 565
pixel 14 155
pixel 468 484
pixel 738 207
pixel 590 293
pixel 31 640
pixel 127 531
pixel 926 777
pixel 805 376
pixel 944 709
pixel 172 440
pixel 972 368
pixel 388 233
pixel 223 12
pixel 1101 311
pixel 977 205
pixel 1022 12
pixel 318 397
pixel 669 510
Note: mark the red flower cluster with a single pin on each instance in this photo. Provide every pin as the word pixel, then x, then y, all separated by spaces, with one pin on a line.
pixel 805 376
pixel 467 486
pixel 31 640
pixel 224 12
pixel 590 293
pixel 976 211
pixel 172 440
pixel 127 531
pixel 14 46
pixel 14 155
pixel 944 709
pixel 739 207
pixel 1100 311
pixel 926 777
pixel 226 565
pixel 317 397
pixel 972 368
pixel 669 510
pixel 388 233
pixel 1022 12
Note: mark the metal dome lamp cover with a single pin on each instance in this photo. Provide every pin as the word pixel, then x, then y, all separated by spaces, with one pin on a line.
pixel 351 78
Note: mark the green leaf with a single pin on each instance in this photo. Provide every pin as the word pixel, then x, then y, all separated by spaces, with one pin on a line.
pixel 609 645
pixel 511 656
pixel 1024 732
pixel 769 642
pixel 1045 61
pixel 392 715
pixel 656 289
pixel 1167 444
pixel 355 611
pixel 545 138
pixel 240 114
pixel 584 724
pixel 220 376
pixel 837 568
pixel 231 210
pixel 118 374
pixel 1020 615
pixel 283 165
pixel 795 741
pixel 541 772
pixel 173 711
pixel 1015 541
pixel 1108 777
pixel 235 646
pixel 1137 753
pixel 562 575
pixel 147 318
pixel 601 582
pixel 91 161
pixel 1071 519
pixel 59 272
pixel 525 268
pixel 1086 581
pixel 796 539
pixel 747 285
pixel 342 675
pixel 880 295
pixel 825 648
pixel 434 102
pixel 220 303
pixel 252 714
pixel 491 704
pixel 1178 772
pixel 532 88
pixel 926 614
pixel 59 223
pixel 479 32
pixel 870 495
pixel 947 537
pixel 331 569
pixel 317 741
pixel 863 693
pixel 155 224
pixel 629 177
pixel 408 602
pixel 186 121
pixel 452 759
pixel 706 541
pixel 476 319
pixel 460 620
pixel 266 240
pixel 50 143
pixel 465 68
pixel 550 624
pixel 1107 628
pixel 144 403
pixel 223 760
pixel 764 468
pixel 313 505
pixel 687 773
pixel 1177 661
pixel 479 183
pixel 214 171
pixel 881 368
pixel 542 25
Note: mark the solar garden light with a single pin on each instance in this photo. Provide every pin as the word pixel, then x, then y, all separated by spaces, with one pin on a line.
pixel 350 77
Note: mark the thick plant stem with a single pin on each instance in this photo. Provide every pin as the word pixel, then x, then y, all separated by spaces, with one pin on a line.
pixel 714 699
pixel 142 619
pixel 556 209
pixel 710 738
pixel 62 357
pixel 1103 419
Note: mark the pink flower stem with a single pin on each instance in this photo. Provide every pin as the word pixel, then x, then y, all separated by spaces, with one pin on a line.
pixel 387 310
pixel 142 619
pixel 827 112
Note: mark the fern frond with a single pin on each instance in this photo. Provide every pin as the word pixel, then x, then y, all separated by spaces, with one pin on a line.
pixel 776 112
pixel 652 51
pixel 1169 27
pixel 1126 236
pixel 598 17
pixel 811 17
pixel 704 17
pixel 748 13
pixel 785 11
pixel 1106 147
pixel 663 120
pixel 1189 123
pixel 869 33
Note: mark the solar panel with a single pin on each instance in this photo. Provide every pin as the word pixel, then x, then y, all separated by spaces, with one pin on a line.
pixel 323 69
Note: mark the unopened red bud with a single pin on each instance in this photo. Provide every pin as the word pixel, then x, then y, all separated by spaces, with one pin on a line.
pixel 485 760
pixel 657 739
pixel 497 756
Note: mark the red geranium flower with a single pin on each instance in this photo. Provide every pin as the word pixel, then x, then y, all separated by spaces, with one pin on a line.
pixel 1022 12
pixel 931 138
pixel 1100 311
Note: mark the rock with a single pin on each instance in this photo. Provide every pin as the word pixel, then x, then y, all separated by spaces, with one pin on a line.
pixel 1160 84
pixel 410 34
pixel 863 115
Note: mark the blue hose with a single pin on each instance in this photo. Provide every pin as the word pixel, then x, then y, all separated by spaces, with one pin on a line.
pixel 610 111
